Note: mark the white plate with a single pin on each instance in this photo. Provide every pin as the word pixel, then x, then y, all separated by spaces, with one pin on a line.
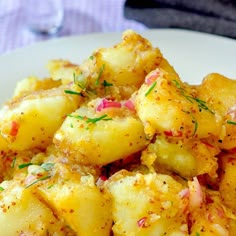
pixel 193 55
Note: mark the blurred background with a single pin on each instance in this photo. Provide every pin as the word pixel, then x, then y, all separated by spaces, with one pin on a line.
pixel 17 18
pixel 80 17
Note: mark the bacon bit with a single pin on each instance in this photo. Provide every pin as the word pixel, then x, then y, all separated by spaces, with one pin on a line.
pixel 14 128
pixel 151 77
pixel 108 104
pixel 130 105
pixel 142 222
pixel 196 194
pixel 170 133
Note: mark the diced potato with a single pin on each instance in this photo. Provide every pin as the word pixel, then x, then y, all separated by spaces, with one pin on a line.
pixel 123 66
pixel 228 179
pixel 146 204
pixel 97 138
pixel 31 84
pixel 219 92
pixel 211 219
pixel 22 213
pixel 30 122
pixel 166 105
pixel 62 70
pixel 78 201
pixel 186 159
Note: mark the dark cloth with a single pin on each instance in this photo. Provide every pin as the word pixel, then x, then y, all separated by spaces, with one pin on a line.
pixel 211 16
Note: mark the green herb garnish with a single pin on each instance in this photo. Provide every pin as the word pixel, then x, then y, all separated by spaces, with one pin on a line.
pixel 106 84
pixel 25 165
pixel 1 189
pixel 201 103
pixel 231 122
pixel 151 88
pixel 80 80
pixel 73 92
pixel 13 162
pixel 100 74
pixel 91 57
pixel 195 125
pixel 94 120
pixel 194 121
pixel 91 120
pixel 38 180
pixel 50 186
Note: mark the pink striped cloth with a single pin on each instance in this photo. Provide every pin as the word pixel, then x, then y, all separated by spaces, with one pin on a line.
pixel 81 17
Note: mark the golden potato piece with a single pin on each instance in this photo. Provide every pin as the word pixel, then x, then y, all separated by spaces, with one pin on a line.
pixel 146 204
pixel 31 84
pixel 219 92
pixel 31 121
pixel 22 213
pixel 211 218
pixel 123 67
pixel 62 70
pixel 78 201
pixel 167 106
pixel 227 183
pixel 187 159
pixel 99 138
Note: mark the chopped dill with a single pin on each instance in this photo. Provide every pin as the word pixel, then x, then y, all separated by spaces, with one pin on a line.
pixel 25 165
pixel 201 104
pixel 231 122
pixel 73 92
pixel 100 74
pixel 13 163
pixel 91 120
pixel 38 180
pixel 151 88
pixel 106 84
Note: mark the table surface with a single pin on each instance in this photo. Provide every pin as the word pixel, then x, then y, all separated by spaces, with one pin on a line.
pixel 81 17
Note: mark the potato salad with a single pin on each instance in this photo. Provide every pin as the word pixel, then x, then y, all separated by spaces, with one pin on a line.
pixel 118 145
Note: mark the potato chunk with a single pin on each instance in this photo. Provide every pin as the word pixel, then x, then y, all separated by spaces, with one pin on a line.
pixel 219 92
pixel 30 122
pixel 228 179
pixel 99 138
pixel 187 159
pixel 146 204
pixel 31 84
pixel 78 201
pixel 22 213
pixel 168 106
pixel 62 70
pixel 123 66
